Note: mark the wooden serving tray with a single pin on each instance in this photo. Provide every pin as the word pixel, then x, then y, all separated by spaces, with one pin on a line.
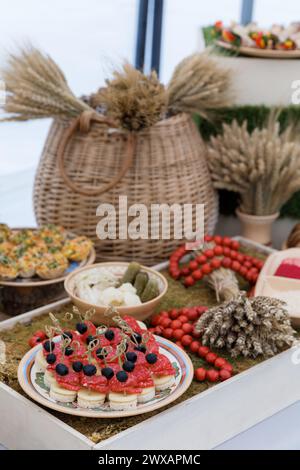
pixel 201 422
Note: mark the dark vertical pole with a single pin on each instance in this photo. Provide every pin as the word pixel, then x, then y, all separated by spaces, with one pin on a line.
pixel 247 11
pixel 157 32
pixel 141 34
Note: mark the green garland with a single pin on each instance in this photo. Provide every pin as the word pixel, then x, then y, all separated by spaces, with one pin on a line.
pixel 255 116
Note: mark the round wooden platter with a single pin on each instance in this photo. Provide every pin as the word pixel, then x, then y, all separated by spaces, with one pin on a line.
pixel 33 385
pixel 262 53
pixel 38 282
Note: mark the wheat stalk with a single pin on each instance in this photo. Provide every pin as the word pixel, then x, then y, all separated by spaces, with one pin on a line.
pixel 199 85
pixel 132 99
pixel 262 166
pixel 37 88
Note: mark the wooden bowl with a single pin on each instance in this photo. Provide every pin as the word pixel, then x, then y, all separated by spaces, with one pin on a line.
pixel 139 312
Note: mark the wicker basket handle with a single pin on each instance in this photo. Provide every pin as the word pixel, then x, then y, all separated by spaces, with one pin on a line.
pixel 83 122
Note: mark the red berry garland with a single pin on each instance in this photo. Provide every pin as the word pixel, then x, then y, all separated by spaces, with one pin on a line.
pixel 225 253
pixel 178 325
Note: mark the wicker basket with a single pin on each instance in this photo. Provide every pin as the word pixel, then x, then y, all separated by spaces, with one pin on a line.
pixel 86 163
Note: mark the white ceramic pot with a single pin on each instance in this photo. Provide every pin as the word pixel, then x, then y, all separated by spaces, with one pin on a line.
pixel 257 227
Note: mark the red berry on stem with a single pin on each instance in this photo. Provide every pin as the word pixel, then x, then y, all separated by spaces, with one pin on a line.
pixel 185 271
pixel 212 375
pixel 218 239
pixel 236 266
pixel 243 271
pixel 178 333
pixel 235 245
pixel 201 259
pixel 228 367
pixel 200 374
pixel 164 314
pixel 166 322
pixel 226 251
pixel 240 258
pixel 196 333
pixel 174 313
pixel 158 330
pixel 197 275
pixel 187 327
pixel 208 238
pixel 227 241
pixel 209 253
pixel 215 263
pixel 224 374
pixel 203 351
pixel 194 346
pixel 184 311
pixel 189 281
pixel 175 324
pixel 193 265
pixel 259 264
pixel 233 254
pixel 183 318
pixel 168 333
pixel 220 362
pixel 226 262
pixel 201 309
pixel 211 357
pixel 206 269
pixel 218 250
pixel 192 315
pixel 186 340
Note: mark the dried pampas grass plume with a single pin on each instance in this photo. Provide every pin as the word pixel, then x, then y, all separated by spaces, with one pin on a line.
pixel 199 85
pixel 37 88
pixel 132 99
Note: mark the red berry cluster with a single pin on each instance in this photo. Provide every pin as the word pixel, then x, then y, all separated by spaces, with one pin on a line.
pixel 178 325
pixel 224 253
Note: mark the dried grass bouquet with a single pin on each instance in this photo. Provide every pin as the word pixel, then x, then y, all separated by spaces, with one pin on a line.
pixel 37 88
pixel 263 166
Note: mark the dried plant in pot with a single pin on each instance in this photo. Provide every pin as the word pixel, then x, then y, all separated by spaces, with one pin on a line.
pixel 263 166
pixel 133 137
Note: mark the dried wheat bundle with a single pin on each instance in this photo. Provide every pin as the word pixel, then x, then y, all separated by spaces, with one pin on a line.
pixel 248 327
pixel 132 99
pixel 262 166
pixel 37 88
pixel 199 85
pixel 224 283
